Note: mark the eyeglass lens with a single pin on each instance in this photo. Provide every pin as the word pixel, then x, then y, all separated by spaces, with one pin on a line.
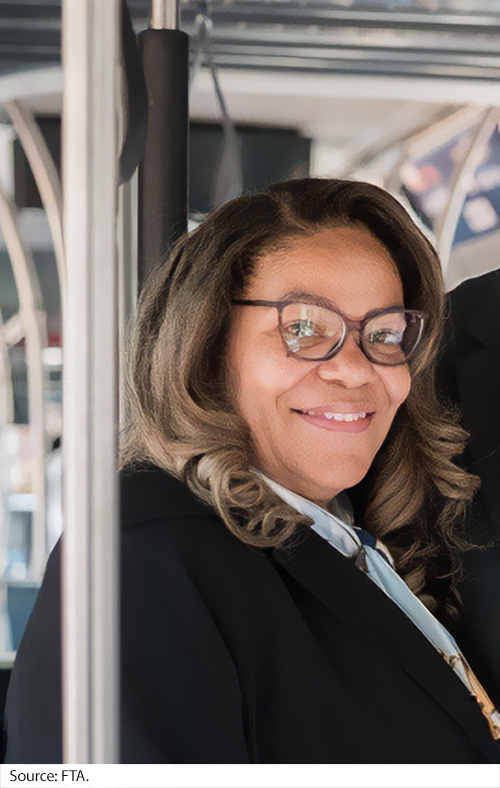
pixel 312 332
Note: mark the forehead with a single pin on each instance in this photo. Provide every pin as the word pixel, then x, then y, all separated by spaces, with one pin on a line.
pixel 346 265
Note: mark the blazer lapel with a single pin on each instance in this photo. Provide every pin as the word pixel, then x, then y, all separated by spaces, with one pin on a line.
pixel 357 601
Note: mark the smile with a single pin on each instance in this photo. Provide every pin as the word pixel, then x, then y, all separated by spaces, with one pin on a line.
pixel 339 416
pixel 356 421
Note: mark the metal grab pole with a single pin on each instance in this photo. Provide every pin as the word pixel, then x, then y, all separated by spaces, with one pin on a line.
pixel 165 14
pixel 163 174
pixel 90 542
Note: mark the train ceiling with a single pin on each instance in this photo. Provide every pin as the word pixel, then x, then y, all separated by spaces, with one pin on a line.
pixel 451 39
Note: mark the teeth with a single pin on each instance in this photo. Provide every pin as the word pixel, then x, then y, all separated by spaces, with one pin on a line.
pixel 342 416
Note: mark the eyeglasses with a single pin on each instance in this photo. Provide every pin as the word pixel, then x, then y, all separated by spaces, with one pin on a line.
pixel 317 333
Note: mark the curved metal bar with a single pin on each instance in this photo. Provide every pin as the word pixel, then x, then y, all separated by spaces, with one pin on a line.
pixel 431 137
pixel 6 390
pixel 427 139
pixel 13 330
pixel 229 176
pixel 5 627
pixel 37 82
pixel 46 178
pixel 34 323
pixel 6 416
pixel 377 142
pixel 447 224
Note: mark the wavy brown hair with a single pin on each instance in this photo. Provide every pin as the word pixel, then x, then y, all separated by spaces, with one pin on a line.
pixel 181 419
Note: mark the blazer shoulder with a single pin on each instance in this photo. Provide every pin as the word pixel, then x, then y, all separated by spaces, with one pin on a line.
pixel 467 294
pixel 472 314
pixel 149 493
pixel 170 539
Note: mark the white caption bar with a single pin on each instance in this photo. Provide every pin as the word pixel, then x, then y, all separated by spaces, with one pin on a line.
pixel 252 776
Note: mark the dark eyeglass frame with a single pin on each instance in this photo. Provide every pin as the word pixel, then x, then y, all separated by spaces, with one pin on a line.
pixel 349 326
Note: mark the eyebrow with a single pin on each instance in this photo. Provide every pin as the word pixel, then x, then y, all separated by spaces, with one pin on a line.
pixel 313 298
pixel 309 298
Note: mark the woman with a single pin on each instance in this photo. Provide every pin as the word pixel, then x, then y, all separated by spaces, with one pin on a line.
pixel 283 355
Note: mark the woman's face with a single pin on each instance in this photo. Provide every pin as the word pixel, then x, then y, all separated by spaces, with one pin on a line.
pixel 284 399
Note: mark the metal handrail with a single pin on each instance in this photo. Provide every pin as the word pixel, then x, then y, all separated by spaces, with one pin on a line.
pixel 33 320
pixel 6 416
pixel 47 180
pixel 6 389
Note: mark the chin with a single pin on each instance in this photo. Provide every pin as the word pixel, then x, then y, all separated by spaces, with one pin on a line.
pixel 330 486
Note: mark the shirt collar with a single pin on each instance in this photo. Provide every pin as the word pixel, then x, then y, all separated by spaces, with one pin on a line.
pixel 334 525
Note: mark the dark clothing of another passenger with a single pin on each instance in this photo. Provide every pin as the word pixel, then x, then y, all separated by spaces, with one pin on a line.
pixel 469 376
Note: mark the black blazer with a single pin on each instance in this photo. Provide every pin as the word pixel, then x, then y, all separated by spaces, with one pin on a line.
pixel 469 376
pixel 232 654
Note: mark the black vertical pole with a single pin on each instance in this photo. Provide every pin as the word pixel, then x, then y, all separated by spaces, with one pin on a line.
pixel 163 174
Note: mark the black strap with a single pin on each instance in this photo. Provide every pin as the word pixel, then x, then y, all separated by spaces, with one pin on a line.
pixel 136 100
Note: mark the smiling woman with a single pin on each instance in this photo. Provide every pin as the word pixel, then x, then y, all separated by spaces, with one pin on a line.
pixel 290 504
pixel 214 385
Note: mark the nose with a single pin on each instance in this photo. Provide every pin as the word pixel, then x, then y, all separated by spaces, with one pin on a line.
pixel 350 367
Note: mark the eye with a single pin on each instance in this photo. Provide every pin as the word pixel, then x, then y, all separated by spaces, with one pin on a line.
pixel 385 336
pixel 309 330
pixel 303 328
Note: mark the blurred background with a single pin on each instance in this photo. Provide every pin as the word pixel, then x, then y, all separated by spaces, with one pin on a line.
pixel 402 93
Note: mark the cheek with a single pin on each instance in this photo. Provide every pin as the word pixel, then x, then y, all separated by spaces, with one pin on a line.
pixel 258 375
pixel 237 359
pixel 247 374
pixel 262 379
pixel 397 382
